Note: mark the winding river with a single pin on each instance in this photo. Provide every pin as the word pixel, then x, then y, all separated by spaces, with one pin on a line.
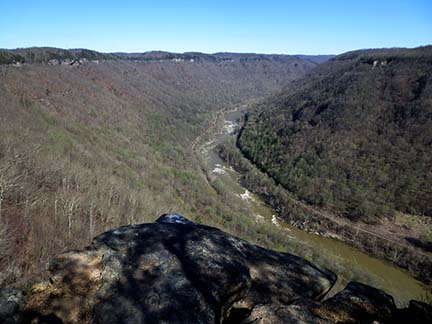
pixel 386 276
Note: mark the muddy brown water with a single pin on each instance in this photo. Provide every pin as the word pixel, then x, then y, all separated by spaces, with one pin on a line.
pixel 392 279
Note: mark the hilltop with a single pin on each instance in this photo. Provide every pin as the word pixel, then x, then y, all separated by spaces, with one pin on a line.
pixel 59 55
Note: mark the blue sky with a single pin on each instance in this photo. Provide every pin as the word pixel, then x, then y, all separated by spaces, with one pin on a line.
pixel 268 26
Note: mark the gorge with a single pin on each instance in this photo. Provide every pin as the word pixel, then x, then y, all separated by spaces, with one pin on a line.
pixel 322 160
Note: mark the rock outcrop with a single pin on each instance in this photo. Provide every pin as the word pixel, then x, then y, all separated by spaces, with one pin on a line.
pixel 177 271
pixel 357 303
pixel 11 304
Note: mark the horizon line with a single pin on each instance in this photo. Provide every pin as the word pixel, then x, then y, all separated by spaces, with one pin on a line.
pixel 209 53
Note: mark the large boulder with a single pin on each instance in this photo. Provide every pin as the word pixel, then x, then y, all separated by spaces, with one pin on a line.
pixel 172 271
pixel 355 304
pixel 358 303
pixel 416 312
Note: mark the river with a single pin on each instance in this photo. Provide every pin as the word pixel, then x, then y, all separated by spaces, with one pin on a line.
pixel 392 279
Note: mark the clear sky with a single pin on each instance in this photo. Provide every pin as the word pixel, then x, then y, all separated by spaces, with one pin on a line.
pixel 267 26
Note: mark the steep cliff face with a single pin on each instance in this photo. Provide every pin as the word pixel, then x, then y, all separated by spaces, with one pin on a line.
pixel 177 271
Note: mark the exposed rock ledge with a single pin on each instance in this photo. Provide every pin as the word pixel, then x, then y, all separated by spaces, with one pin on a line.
pixel 176 271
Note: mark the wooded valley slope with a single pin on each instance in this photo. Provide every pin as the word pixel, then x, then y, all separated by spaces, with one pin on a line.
pixel 89 141
pixel 354 137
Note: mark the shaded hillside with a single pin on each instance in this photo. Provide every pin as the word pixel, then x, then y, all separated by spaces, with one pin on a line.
pixel 354 137
pixel 107 141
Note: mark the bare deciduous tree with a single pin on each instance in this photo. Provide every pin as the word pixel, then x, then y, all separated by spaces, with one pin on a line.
pixel 69 204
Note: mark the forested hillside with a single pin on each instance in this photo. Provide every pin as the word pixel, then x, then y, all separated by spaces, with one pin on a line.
pixel 354 137
pixel 89 141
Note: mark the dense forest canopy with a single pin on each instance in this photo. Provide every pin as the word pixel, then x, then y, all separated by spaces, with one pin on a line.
pixel 354 136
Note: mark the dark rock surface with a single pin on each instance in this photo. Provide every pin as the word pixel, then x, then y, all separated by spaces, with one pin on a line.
pixel 359 303
pixel 173 219
pixel 416 312
pixel 11 303
pixel 177 271
pixel 356 304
